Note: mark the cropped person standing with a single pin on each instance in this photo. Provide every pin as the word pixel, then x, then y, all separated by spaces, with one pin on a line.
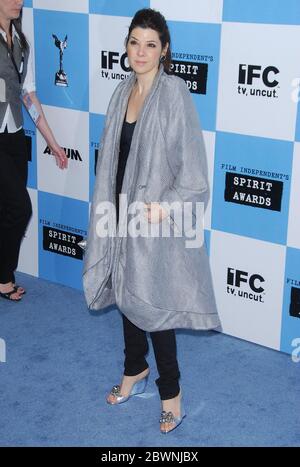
pixel 16 83
pixel 153 152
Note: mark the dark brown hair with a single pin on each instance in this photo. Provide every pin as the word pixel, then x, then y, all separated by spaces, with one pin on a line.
pixel 18 25
pixel 152 19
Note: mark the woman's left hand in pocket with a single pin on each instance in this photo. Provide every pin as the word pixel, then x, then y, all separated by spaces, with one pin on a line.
pixel 154 213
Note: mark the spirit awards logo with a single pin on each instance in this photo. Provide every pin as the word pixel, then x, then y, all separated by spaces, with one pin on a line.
pixel 60 75
pixel 114 65
pixel 245 285
pixel 194 73
pixel 254 80
pixel 295 298
pixel 253 191
pixel 62 239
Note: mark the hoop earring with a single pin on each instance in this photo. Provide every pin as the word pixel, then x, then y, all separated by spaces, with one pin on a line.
pixel 162 59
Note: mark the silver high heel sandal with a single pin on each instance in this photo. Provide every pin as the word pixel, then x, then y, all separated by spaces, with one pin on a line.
pixel 168 417
pixel 138 388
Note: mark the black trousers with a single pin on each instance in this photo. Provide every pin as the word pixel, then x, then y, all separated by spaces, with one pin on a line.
pixel 164 345
pixel 15 204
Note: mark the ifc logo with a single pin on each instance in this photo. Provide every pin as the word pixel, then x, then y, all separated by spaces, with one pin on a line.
pixel 109 59
pixel 247 73
pixel 236 279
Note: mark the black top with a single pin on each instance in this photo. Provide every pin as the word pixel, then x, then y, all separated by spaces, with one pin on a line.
pixel 125 143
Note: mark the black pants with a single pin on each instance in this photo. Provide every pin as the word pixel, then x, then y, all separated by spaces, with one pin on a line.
pixel 15 204
pixel 164 345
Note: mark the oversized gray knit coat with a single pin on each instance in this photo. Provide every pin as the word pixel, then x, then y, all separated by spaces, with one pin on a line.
pixel 157 283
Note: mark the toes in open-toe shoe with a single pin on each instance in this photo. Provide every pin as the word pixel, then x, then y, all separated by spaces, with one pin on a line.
pixel 138 388
pixel 168 417
pixel 9 296
pixel 19 289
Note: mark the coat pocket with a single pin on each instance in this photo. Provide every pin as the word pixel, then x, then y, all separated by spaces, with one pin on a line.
pixel 160 272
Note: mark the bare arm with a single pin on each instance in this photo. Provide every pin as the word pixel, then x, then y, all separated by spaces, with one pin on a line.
pixel 42 125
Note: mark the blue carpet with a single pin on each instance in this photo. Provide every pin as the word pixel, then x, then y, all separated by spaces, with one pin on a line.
pixel 61 360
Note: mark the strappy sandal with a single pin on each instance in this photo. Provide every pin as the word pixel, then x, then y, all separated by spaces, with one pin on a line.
pixel 7 295
pixel 19 289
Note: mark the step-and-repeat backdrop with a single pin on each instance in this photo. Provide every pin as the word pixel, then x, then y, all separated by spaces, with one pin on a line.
pixel 240 61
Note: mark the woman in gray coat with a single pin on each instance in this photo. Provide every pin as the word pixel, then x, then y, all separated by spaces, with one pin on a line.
pixel 140 255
